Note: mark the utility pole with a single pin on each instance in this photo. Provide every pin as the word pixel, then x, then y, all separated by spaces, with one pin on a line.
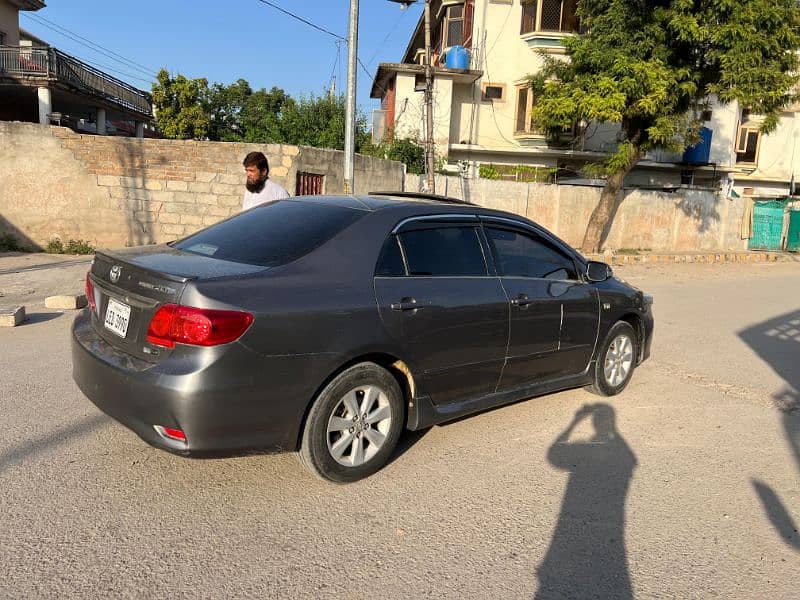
pixel 350 110
pixel 429 147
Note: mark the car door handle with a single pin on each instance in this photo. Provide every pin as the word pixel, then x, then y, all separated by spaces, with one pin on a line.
pixel 522 301
pixel 406 304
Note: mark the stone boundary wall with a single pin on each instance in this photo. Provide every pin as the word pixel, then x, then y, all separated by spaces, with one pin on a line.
pixel 116 192
pixel 687 220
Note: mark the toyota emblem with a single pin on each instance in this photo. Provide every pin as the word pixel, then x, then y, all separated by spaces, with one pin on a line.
pixel 116 271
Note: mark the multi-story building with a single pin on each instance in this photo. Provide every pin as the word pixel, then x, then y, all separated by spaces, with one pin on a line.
pixel 482 114
pixel 40 83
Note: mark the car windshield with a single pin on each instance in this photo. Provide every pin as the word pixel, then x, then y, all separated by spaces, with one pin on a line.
pixel 271 234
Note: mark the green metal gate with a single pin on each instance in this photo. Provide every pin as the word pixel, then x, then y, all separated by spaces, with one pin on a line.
pixel 767 225
pixel 793 235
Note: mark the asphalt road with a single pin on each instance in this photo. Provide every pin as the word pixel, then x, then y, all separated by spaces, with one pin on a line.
pixel 685 486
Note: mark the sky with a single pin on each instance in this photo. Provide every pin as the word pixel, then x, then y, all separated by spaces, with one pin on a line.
pixel 223 41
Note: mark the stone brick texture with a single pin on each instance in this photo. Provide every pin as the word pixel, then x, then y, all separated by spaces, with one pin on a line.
pixel 115 192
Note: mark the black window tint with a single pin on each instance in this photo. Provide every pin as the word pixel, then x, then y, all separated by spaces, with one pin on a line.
pixel 272 234
pixel 390 263
pixel 446 251
pixel 521 255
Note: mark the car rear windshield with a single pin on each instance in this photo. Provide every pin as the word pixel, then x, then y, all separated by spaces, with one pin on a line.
pixel 272 234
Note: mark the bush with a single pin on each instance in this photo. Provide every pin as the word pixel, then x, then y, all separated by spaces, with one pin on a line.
pixel 8 243
pixel 409 152
pixel 56 246
pixel 517 173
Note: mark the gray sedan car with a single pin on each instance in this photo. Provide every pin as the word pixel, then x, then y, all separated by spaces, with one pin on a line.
pixel 329 324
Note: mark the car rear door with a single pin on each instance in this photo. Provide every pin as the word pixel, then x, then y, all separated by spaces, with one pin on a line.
pixel 438 299
pixel 554 314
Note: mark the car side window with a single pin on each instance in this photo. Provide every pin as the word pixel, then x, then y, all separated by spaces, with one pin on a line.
pixel 444 252
pixel 390 263
pixel 526 255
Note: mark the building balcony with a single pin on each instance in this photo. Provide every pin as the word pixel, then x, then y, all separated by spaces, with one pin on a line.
pixel 49 67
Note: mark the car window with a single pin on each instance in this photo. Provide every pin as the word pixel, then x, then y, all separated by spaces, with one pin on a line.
pixel 522 255
pixel 444 252
pixel 390 263
pixel 271 234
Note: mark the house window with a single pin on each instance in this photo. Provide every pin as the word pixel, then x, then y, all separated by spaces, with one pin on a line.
pixel 454 26
pixel 420 82
pixel 493 92
pixel 549 15
pixel 525 102
pixel 748 142
pixel 309 184
pixel 2 39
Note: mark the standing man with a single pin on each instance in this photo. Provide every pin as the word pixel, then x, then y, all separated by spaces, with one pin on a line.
pixel 260 189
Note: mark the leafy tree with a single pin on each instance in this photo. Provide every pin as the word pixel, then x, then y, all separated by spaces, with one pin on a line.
pixel 652 65
pixel 319 121
pixel 261 116
pixel 224 106
pixel 178 106
pixel 408 151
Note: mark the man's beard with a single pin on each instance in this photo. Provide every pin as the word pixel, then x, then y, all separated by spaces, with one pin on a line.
pixel 256 186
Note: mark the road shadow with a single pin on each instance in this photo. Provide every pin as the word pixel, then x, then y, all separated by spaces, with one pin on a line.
pixel 34 318
pixel 777 343
pixel 587 557
pixel 64 435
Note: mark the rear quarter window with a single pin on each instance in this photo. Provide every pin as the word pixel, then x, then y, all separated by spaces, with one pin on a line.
pixel 272 234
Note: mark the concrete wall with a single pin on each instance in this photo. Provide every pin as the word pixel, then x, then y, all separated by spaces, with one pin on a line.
pixel 687 220
pixel 115 192
pixel 9 23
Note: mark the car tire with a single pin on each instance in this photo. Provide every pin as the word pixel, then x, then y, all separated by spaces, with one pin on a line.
pixel 353 425
pixel 615 361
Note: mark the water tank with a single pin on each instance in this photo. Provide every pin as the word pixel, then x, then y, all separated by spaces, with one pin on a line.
pixel 457 57
pixel 702 151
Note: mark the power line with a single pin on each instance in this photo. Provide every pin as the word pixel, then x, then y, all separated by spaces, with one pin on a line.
pixel 302 20
pixel 91 45
pixel 388 35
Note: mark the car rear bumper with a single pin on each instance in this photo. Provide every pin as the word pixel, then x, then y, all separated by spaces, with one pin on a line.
pixel 227 400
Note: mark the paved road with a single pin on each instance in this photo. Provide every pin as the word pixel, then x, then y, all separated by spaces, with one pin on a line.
pixel 688 488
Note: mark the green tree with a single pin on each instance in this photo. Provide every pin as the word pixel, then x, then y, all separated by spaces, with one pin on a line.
pixel 224 105
pixel 178 106
pixel 261 116
pixel 319 121
pixel 651 66
pixel 408 151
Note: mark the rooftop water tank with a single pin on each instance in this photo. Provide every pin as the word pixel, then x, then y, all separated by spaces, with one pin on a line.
pixel 457 57
pixel 700 153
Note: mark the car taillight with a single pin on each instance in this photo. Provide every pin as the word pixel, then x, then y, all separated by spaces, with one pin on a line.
pixel 90 293
pixel 174 323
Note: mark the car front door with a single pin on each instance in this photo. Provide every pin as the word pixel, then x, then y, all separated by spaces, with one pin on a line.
pixel 554 315
pixel 437 298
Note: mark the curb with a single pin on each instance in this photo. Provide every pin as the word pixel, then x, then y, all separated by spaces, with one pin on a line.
pixel 710 257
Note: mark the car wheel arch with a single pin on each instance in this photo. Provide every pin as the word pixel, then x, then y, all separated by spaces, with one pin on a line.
pixel 396 367
pixel 635 321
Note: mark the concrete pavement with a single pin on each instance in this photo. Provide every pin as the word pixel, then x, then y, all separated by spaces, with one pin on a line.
pixel 690 489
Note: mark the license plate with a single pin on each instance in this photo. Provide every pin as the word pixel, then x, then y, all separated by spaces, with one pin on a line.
pixel 117 317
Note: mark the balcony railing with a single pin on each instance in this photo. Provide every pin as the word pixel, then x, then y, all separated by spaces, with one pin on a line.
pixel 49 64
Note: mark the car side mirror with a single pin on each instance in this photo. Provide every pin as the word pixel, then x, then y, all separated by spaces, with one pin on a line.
pixel 598 271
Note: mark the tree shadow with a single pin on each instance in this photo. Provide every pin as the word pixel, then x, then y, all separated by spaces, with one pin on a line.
pixel 777 343
pixel 587 557
pixel 27 449
pixel 695 205
pixel 138 202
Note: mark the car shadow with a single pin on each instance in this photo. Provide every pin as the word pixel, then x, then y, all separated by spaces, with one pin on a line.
pixel 27 449
pixel 587 557
pixel 407 441
pixel 777 342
